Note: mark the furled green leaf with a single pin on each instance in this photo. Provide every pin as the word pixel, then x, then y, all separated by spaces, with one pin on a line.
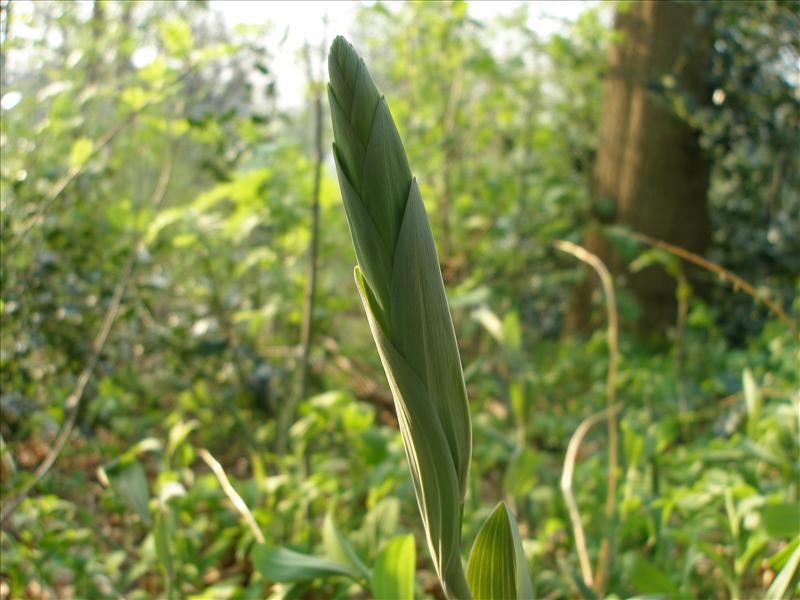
pixel 282 565
pixel 497 569
pixel 423 333
pixel 393 575
pixel 432 469
pixel 401 288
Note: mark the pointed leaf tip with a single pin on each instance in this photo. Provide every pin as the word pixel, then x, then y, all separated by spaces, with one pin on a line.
pixel 497 568
pixel 388 225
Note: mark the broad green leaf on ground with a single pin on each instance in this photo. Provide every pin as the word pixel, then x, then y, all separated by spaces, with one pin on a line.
pixel 339 548
pixel 282 565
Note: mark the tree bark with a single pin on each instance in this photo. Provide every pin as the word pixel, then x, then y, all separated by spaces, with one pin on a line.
pixel 649 160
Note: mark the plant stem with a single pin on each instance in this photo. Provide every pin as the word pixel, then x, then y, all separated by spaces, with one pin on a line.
pixel 569 497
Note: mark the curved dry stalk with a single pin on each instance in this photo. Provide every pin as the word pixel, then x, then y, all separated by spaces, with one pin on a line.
pixel 569 497
pixel 611 384
pixel 73 401
pixel 737 282
pixel 232 495
pixel 307 326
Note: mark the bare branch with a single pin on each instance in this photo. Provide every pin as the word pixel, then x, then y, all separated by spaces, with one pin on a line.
pixel 737 282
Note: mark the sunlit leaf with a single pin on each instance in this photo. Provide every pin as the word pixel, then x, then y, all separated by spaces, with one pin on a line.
pixel 284 566
pixel 177 36
pixel 393 575
pixel 80 152
pixel 497 569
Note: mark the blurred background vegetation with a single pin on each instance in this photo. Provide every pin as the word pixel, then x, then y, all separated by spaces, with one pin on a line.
pixel 168 197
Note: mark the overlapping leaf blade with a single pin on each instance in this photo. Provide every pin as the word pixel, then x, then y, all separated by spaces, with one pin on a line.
pixel 403 294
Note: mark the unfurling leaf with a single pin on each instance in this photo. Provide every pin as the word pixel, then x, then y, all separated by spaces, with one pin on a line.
pixel 401 288
pixel 497 569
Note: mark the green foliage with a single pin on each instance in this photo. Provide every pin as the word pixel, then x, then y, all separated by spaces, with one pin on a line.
pixel 499 120
pixel 282 565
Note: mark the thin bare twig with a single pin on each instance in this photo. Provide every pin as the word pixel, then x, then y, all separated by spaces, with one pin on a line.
pixel 737 282
pixel 232 495
pixel 603 558
pixel 307 326
pixel 569 497
pixel 73 401
pixel 319 157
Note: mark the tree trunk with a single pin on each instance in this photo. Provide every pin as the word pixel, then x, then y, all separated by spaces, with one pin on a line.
pixel 649 160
